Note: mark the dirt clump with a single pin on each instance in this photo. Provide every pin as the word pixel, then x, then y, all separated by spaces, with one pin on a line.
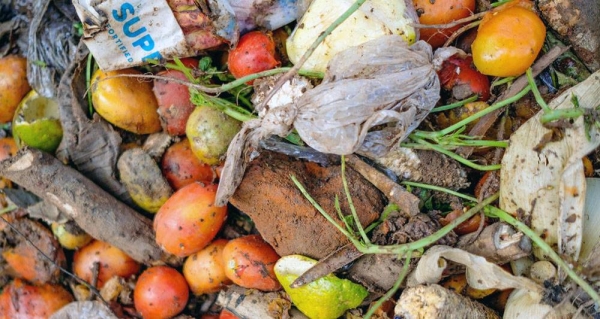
pixel 287 220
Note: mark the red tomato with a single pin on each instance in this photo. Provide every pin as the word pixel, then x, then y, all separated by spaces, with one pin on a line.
pixel 249 263
pixel 189 219
pixel 441 12
pixel 255 52
pixel 160 292
pixel 508 39
pixel 226 314
pixel 457 71
pixel 205 271
pixel 174 104
pixel 181 167
pixel 111 262
pixel 21 300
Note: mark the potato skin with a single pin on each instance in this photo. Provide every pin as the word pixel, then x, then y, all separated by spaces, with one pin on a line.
pixel 125 102
pixel 249 262
pixel 13 85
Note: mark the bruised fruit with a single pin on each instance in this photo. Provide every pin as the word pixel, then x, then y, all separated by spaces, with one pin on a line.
pixel 210 132
pixel 13 85
pixel 143 179
pixel 125 102
pixel 249 263
pixel 205 271
pixel 160 292
pixel 109 261
pixel 181 167
pixel 37 123
pixel 21 300
pixel 458 74
pixel 189 220
pixel 174 104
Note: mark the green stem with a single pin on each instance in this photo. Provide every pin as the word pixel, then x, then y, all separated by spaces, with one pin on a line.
pixel 457 157
pixel 384 215
pixel 440 189
pixel 501 81
pixel 546 249
pixel 357 222
pixel 561 114
pixel 536 92
pixel 431 239
pixel 454 105
pixel 7 209
pixel 390 293
pixel 460 124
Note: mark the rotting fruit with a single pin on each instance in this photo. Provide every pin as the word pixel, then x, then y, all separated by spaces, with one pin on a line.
pixel 109 261
pixel 36 123
pixel 441 12
pixel 249 262
pixel 181 167
pixel 13 85
pixel 125 102
pixel 508 39
pixel 22 300
pixel 160 292
pixel 205 271
pixel 189 220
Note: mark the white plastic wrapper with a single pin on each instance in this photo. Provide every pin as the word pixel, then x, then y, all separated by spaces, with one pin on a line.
pixel 122 34
pixel 373 96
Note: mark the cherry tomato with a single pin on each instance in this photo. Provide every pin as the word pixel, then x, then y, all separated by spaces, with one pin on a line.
pixel 255 52
pixel 441 12
pixel 508 39
pixel 189 220
pixel 160 292
pixel 249 263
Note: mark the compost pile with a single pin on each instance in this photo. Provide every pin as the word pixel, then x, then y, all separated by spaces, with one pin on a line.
pixel 299 159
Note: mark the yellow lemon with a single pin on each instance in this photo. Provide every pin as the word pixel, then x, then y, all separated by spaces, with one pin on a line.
pixel 37 123
pixel 325 298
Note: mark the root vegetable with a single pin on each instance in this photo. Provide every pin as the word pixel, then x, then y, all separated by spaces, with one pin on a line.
pixel 189 220
pixel 434 301
pixel 92 208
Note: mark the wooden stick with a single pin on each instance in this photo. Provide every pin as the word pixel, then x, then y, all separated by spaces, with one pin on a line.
pixel 93 209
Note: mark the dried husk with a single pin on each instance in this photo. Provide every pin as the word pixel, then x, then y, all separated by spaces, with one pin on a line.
pixel 544 181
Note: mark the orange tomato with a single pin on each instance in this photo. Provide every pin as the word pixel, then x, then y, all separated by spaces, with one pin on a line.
pixel 13 85
pixel 111 262
pixel 205 271
pixel 249 263
pixel 508 39
pixel 441 12
pixel 255 52
pixel 189 220
pixel 181 167
pixel 226 314
pixel 160 292
pixel 21 300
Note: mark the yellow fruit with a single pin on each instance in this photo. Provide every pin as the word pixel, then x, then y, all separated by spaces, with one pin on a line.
pixel 125 102
pixel 326 298
pixel 13 85
pixel 70 236
pixel 210 131
pixel 37 123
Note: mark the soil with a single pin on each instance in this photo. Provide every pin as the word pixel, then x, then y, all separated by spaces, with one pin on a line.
pixel 286 219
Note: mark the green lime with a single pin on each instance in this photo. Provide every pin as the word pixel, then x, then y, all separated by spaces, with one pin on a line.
pixel 37 123
pixel 325 298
